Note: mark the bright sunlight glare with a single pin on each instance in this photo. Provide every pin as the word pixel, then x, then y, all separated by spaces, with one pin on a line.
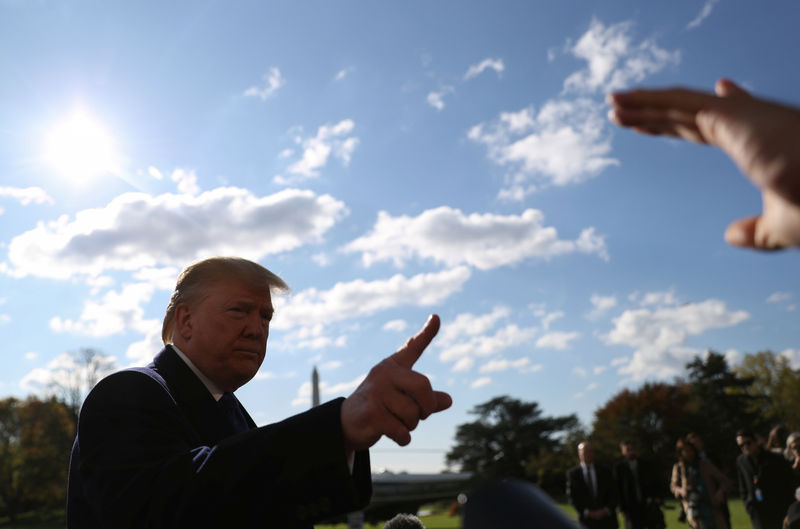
pixel 80 149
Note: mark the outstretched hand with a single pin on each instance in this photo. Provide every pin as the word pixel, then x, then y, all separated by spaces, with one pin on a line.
pixel 393 398
pixel 760 136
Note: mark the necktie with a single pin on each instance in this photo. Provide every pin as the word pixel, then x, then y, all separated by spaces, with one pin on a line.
pixel 233 412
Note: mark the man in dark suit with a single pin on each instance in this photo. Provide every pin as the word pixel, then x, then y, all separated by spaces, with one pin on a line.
pixel 636 487
pixel 591 490
pixel 766 483
pixel 170 446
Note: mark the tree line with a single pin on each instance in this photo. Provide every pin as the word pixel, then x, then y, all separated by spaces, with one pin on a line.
pixel 514 439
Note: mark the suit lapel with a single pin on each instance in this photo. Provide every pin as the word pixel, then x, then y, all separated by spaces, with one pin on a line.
pixel 193 398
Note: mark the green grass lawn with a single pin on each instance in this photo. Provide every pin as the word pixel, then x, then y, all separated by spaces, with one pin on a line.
pixel 739 518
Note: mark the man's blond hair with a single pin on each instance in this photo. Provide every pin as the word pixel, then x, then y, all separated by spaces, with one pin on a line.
pixel 195 279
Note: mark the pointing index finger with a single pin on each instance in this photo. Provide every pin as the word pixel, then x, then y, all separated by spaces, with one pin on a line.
pixel 407 355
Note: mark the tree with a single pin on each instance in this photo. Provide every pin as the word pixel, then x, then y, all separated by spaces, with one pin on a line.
pixel 507 436
pixel 35 441
pixel 775 388
pixel 74 374
pixel 653 417
pixel 725 400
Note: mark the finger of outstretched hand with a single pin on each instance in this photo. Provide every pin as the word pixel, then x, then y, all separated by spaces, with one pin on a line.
pixel 407 355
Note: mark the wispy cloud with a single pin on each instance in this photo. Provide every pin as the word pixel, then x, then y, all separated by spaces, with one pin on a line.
pixel 344 72
pixel 436 98
pixel 565 143
pixel 558 340
pixel 601 305
pixel 272 81
pixel 331 139
pixel 614 60
pixel 484 241
pixel 486 64
pixel 702 15
pixel 659 335
pixel 27 195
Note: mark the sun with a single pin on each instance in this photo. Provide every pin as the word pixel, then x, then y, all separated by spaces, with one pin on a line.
pixel 80 148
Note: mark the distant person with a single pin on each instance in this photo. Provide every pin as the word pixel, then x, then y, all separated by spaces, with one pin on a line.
pixel 404 521
pixel 698 443
pixel 776 442
pixel 760 136
pixel 766 483
pixel 637 490
pixel 169 446
pixel 792 451
pixel 792 520
pixel 591 490
pixel 700 487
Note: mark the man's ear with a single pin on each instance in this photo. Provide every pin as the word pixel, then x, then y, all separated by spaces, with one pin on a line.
pixel 183 321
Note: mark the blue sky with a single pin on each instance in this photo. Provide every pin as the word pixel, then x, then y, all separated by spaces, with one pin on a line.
pixel 388 160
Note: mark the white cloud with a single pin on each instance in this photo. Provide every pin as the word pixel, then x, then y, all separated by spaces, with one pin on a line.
pixel 523 365
pixel 702 15
pixel 329 390
pixel 659 336
pixel 186 180
pixel 479 383
pixel 359 298
pixel 31 355
pixel 484 241
pixel 471 336
pixel 549 318
pixel 330 140
pixel 5 319
pixel 597 370
pixel 580 371
pixel 142 352
pixel 477 69
pixel 778 297
pixel 556 340
pixel 436 98
pixel 27 195
pixel 614 60
pixel 661 299
pixel 601 304
pixel 469 325
pixel 155 173
pixel 136 231
pixel 793 356
pixel 566 142
pixel 344 72
pixel 395 325
pixel 273 80
pixel 115 313
pixel 486 345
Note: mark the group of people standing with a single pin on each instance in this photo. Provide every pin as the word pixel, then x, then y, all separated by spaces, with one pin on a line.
pixel 596 490
pixel 767 478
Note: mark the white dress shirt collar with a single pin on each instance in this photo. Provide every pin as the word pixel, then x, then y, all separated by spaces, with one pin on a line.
pixel 210 386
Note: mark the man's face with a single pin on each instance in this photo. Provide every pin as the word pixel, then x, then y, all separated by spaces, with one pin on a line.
pixel 225 333
pixel 585 453
pixel 748 445
pixel 628 451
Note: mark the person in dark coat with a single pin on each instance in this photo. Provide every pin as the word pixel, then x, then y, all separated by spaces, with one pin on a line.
pixel 766 482
pixel 591 490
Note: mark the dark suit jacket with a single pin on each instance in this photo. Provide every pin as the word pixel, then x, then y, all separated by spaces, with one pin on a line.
pixel 629 501
pixel 580 495
pixel 777 486
pixel 154 450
